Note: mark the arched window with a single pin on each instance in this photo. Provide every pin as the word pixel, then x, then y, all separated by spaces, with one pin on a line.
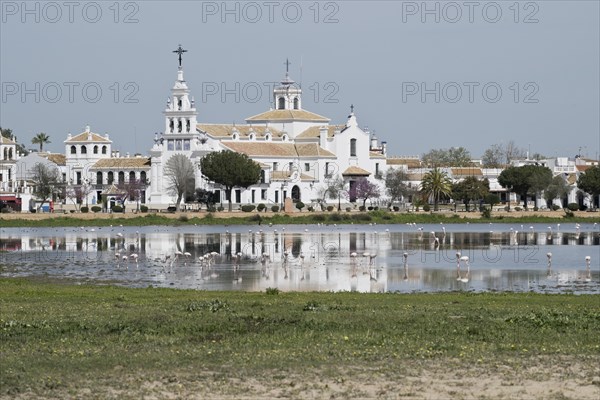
pixel 131 176
pixel 83 150
pixel 281 103
pixel 95 149
pixel 10 154
pixel 352 147
pixel 284 137
pixel 121 177
pixel 296 103
pixel 262 176
pixel 143 176
pixel 5 155
pixel 73 150
pixel 111 178
pixel 268 137
pixel 251 136
pixel 103 149
pixel 99 178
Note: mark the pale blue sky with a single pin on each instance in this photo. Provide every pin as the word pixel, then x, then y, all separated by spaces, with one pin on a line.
pixel 378 56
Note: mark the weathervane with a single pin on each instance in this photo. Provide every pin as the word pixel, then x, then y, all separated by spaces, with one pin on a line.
pixel 180 51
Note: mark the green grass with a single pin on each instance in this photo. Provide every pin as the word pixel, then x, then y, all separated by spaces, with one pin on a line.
pixel 57 337
pixel 379 217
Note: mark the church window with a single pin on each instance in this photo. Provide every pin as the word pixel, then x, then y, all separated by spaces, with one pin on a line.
pixel 99 178
pixel 263 194
pixel 296 103
pixel 275 166
pixel 178 144
pixel 281 103
pixel 121 177
pixel 306 167
pixel 170 144
pixel 179 127
pixel 352 147
pixel 143 176
pixel 187 126
pixel 73 150
pixel 171 125
pixel 103 149
pixel 262 176
pixel 95 149
pixel 83 150
pixel 111 177
pixel 186 144
pixel 131 176
pixel 179 104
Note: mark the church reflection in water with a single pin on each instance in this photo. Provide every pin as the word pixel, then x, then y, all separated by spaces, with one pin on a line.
pixel 324 259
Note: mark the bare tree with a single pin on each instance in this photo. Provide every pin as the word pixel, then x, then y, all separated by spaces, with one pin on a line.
pixel 396 186
pixel 46 179
pixel 132 190
pixel 77 194
pixel 179 171
pixel 500 155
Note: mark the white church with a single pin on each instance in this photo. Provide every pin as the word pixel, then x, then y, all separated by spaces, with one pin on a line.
pixel 298 150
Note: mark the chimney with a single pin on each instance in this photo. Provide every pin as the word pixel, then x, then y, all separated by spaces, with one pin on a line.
pixel 384 148
pixel 323 131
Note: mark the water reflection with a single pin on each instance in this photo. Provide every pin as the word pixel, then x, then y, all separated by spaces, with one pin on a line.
pixel 365 258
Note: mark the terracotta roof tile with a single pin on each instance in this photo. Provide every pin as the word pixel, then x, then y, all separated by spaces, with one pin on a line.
pixel 83 137
pixel 5 140
pixel 122 163
pixel 466 172
pixel 57 158
pixel 288 115
pixel 315 131
pixel 226 130
pixel 357 171
pixel 410 162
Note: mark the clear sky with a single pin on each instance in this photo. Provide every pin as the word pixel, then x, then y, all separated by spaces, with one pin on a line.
pixel 421 75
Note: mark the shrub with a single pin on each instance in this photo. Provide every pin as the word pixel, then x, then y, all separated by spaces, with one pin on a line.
pixel 96 209
pixel 311 208
pixel 5 210
pixel 84 209
pixel 536 208
pixel 336 217
pixel 116 208
pixel 396 208
pixel 144 208
pixel 255 218
pixel 248 207
pixel 220 208
pixel 573 206
pixel 272 291
pixel 261 207
pixel 518 208
pixel 506 208
pixel 348 209
pixel 211 209
pixel 361 217
pixel 319 218
pixel 275 208
pixel 329 208
pixel 426 207
pixel 299 205
pixel 183 218
pixel 555 207
pixel 486 213
pixel 370 208
pixel 375 208
pixel 362 208
pixel 569 213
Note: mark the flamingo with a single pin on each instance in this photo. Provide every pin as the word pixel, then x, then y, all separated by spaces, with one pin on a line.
pixel 134 257
pixel 466 260
pixel 187 255
pixel 405 256
pixel 549 256
pixel 458 255
pixel 588 276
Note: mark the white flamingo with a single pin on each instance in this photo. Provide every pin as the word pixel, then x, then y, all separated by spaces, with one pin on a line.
pixel 405 256
pixel 588 261
pixel 466 260
pixel 134 257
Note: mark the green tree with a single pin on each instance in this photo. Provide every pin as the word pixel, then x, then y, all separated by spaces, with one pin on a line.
pixel 230 169
pixel 589 182
pixel 470 189
pixel 525 180
pixel 452 157
pixel 396 186
pixel 46 181
pixel 179 172
pixel 7 133
pixel 436 184
pixel 558 188
pixel 41 139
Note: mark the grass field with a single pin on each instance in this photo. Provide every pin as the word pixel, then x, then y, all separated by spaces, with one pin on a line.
pixel 238 218
pixel 78 341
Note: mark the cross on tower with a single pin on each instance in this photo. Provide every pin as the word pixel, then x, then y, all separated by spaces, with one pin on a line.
pixel 287 65
pixel 352 108
pixel 180 51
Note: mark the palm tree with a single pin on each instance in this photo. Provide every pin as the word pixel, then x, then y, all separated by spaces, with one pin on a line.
pixel 436 183
pixel 41 139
